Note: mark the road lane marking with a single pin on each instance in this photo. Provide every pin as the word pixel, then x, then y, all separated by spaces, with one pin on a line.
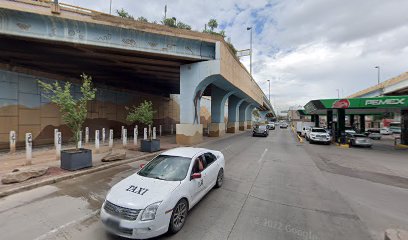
pixel 263 155
pixel 68 224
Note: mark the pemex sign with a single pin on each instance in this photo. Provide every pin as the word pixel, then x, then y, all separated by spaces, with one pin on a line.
pixel 358 103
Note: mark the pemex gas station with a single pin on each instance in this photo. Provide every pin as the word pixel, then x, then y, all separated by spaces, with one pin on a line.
pixel 360 108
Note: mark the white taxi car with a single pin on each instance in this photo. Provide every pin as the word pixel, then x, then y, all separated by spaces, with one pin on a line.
pixel 157 198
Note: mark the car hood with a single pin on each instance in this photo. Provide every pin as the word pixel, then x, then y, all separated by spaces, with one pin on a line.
pixel 137 192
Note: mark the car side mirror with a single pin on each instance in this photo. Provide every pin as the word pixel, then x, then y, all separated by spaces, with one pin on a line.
pixel 142 165
pixel 196 176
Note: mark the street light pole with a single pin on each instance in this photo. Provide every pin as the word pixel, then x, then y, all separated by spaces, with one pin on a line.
pixel 378 72
pixel 110 7
pixel 250 53
pixel 338 93
pixel 269 81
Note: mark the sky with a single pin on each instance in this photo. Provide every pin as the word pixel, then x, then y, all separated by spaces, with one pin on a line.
pixel 307 48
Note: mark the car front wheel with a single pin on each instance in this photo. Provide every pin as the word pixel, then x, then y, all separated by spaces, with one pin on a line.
pixel 220 178
pixel 178 217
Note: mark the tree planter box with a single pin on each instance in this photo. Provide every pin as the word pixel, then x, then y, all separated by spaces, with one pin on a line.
pixel 76 159
pixel 150 146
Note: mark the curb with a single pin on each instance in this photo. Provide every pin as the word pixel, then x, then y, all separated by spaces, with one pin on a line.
pixel 93 170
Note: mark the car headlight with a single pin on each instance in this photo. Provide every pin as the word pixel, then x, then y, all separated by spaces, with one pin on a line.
pixel 149 213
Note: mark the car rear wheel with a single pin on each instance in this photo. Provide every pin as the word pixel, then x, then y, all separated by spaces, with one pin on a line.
pixel 220 178
pixel 178 217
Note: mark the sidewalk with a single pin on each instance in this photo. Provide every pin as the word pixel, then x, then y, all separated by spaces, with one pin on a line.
pixel 46 156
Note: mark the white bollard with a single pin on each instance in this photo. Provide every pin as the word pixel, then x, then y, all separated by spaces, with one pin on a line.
pixel 103 135
pixel 97 141
pixel 135 133
pixel 124 140
pixel 154 132
pixel 86 135
pixel 160 130
pixel 55 137
pixel 110 139
pixel 58 146
pixel 12 141
pixel 145 133
pixel 29 147
pixel 150 131
pixel 171 129
pixel 121 132
pixel 80 139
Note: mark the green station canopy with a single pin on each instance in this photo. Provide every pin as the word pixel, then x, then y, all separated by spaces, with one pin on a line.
pixel 374 105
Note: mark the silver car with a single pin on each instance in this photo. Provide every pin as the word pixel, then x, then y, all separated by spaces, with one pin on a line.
pixel 360 140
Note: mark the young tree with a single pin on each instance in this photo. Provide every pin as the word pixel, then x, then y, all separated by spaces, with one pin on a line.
pixel 142 113
pixel 73 111
pixel 124 14
pixel 212 24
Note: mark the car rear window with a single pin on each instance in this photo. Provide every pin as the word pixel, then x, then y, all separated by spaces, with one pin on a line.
pixel 319 130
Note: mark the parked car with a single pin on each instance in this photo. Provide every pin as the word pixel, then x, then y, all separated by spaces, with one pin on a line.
pixel 157 198
pixel 373 134
pixel 316 134
pixel 361 140
pixel 385 131
pixel 270 126
pixel 260 130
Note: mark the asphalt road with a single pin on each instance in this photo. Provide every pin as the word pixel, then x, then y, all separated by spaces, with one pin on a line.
pixel 273 189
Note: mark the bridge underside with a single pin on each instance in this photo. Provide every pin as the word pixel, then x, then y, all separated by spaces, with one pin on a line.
pixel 147 72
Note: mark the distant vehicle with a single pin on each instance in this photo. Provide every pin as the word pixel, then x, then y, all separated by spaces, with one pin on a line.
pixel 361 140
pixel 158 197
pixel 373 134
pixel 350 132
pixel 270 126
pixel 395 127
pixel 316 134
pixel 385 131
pixel 302 126
pixel 283 125
pixel 260 130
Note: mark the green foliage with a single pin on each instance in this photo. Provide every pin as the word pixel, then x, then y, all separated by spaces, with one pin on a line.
pixel 142 113
pixel 73 111
pixel 212 24
pixel 124 14
pixel 182 25
pixel 142 19
pixel 170 22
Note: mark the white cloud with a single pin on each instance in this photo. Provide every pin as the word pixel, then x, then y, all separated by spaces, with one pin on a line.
pixel 308 48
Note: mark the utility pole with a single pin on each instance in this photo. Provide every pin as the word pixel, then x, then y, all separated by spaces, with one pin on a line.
pixel 338 93
pixel 165 11
pixel 250 54
pixel 269 81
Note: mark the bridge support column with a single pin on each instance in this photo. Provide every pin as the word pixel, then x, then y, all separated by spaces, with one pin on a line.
pixel 218 99
pixel 233 110
pixel 263 116
pixel 193 81
pixel 248 116
pixel 404 126
pixel 242 116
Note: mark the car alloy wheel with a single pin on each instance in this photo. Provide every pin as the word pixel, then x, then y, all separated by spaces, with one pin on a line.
pixel 178 217
pixel 220 178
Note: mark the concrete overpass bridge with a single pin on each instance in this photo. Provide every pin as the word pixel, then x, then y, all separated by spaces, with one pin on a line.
pixel 59 42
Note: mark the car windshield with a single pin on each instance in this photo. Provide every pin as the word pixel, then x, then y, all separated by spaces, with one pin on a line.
pixel 169 168
pixel 262 127
pixel 319 130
